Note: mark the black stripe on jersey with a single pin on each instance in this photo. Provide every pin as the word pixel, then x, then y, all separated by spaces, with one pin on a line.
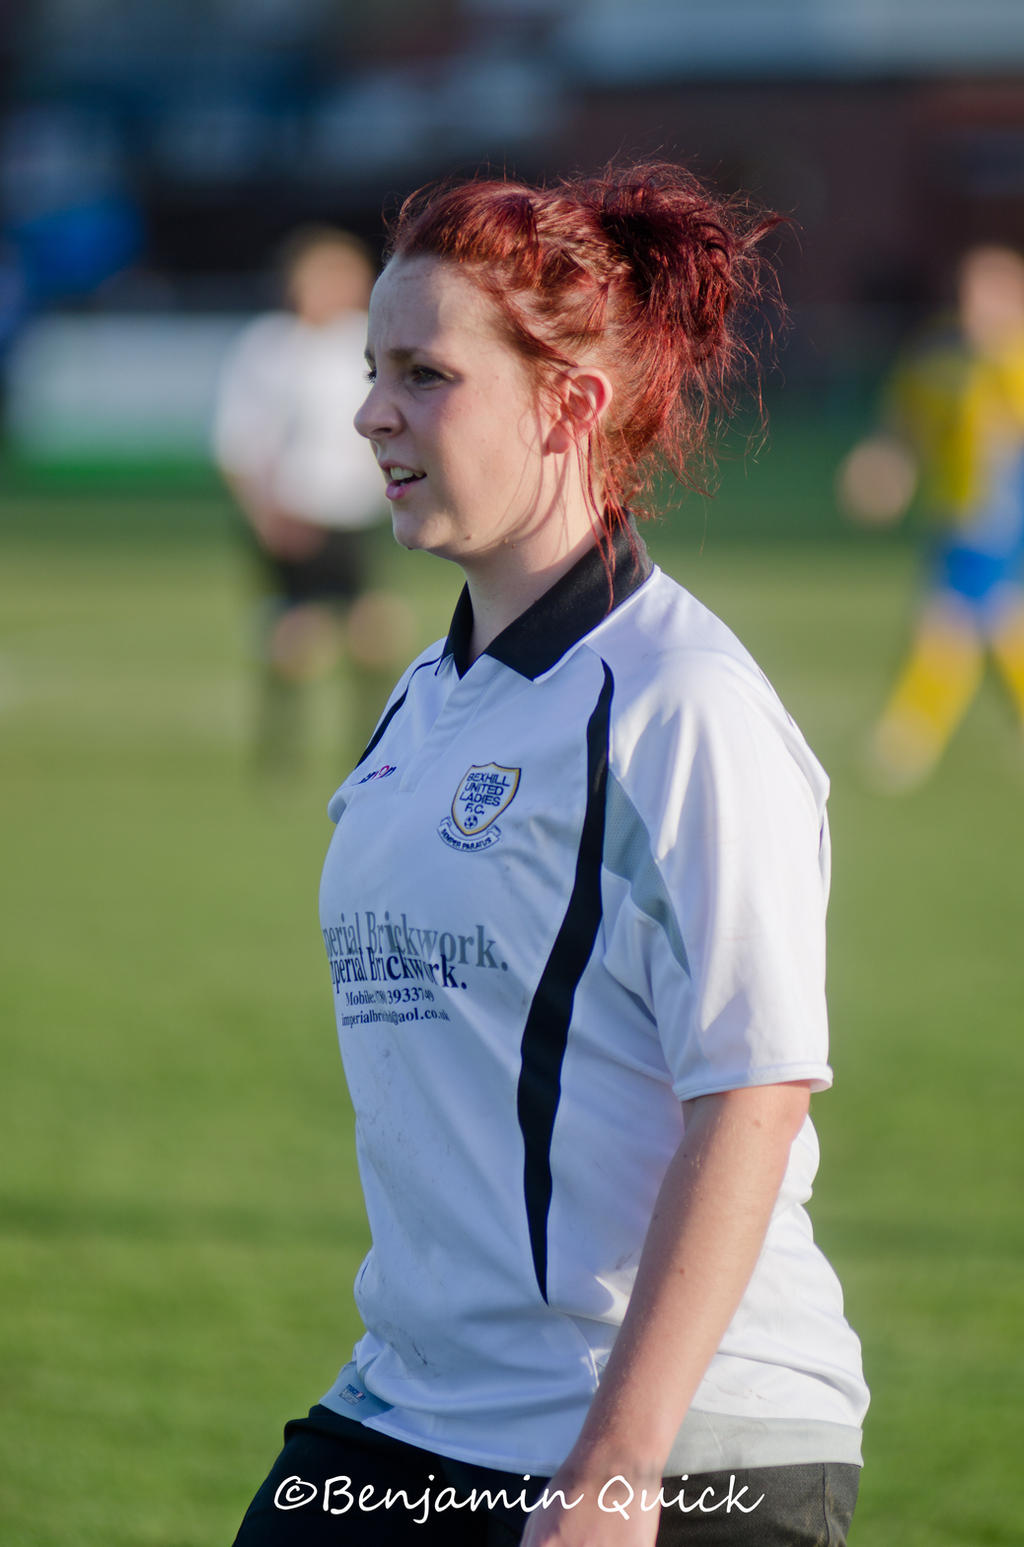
pixel 387 719
pixel 547 1025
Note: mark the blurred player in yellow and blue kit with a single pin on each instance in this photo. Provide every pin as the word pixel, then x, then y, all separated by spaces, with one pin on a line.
pixel 955 427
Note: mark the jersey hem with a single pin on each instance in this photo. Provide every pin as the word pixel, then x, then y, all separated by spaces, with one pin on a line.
pixel 708 1442
pixel 818 1075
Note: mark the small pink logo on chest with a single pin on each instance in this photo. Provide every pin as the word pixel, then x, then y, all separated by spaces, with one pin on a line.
pixel 379 773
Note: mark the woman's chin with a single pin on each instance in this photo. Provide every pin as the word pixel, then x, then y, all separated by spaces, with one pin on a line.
pixel 408 531
pixel 424 534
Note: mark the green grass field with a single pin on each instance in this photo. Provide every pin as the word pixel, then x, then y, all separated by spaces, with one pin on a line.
pixel 180 1212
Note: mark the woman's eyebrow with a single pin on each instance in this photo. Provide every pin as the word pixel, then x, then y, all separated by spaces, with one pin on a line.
pixel 399 353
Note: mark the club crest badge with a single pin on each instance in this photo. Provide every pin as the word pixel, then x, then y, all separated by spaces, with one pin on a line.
pixel 486 790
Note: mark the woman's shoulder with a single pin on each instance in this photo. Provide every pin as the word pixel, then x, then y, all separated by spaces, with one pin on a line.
pixel 665 642
pixel 688 691
pixel 431 655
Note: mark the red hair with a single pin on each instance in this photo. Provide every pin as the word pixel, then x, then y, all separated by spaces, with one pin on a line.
pixel 642 271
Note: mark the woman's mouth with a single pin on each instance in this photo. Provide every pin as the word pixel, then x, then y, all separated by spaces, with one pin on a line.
pixel 399 479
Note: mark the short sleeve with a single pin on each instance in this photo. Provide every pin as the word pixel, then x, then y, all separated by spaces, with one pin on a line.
pixel 717 847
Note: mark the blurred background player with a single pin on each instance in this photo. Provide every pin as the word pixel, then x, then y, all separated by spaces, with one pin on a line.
pixel 309 489
pixel 954 427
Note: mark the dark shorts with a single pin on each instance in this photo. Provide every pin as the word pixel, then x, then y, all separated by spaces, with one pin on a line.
pixel 336 573
pixel 337 1482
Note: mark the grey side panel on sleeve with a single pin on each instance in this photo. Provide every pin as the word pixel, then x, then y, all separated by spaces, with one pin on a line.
pixel 627 854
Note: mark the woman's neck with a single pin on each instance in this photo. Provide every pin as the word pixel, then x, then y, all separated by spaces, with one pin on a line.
pixel 503 585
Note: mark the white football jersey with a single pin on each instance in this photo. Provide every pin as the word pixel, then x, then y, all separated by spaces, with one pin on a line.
pixel 570 886
pixel 287 397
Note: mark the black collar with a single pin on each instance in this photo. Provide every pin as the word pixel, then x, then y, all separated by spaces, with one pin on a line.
pixel 575 604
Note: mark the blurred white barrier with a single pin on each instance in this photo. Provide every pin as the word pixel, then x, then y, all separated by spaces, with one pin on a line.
pixel 112 388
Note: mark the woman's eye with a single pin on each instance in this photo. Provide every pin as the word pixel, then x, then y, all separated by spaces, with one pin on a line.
pixel 370 374
pixel 424 375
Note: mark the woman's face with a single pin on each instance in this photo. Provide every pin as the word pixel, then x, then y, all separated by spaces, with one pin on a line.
pixel 452 405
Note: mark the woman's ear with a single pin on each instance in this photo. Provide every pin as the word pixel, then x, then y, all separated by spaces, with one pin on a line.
pixel 583 398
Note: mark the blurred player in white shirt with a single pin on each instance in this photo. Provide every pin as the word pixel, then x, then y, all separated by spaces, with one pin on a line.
pixel 308 485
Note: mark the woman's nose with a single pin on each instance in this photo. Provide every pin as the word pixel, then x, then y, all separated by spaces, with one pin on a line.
pixel 376 415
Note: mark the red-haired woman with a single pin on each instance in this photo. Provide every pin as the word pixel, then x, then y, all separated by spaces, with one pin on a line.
pixel 574 914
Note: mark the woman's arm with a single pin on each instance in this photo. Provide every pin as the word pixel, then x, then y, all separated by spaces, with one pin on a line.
pixel 702 1244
